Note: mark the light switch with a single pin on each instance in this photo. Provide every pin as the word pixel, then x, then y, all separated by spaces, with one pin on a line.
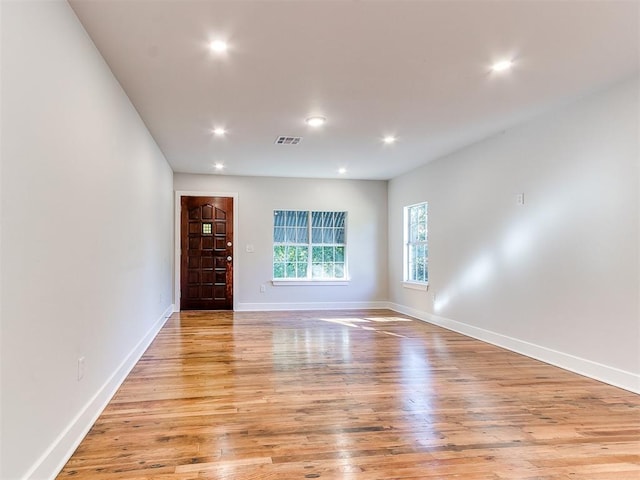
pixel 519 198
pixel 250 248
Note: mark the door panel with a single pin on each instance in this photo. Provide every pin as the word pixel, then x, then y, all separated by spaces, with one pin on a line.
pixel 206 236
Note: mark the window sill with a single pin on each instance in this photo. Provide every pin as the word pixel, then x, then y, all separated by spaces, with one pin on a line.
pixel 416 286
pixel 306 283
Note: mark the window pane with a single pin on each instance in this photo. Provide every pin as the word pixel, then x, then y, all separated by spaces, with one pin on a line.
pixel 302 254
pixel 291 218
pixel 316 270
pixel 411 259
pixel 328 219
pixel 339 219
pixel 316 254
pixel 290 254
pixel 316 219
pixel 278 218
pixel 421 233
pixel 339 235
pixel 303 235
pixel 327 235
pixel 278 270
pixel 412 227
pixel 316 235
pixel 291 270
pixel 278 253
pixel 415 263
pixel 278 234
pixel 328 254
pixel 419 265
pixel 302 270
pixel 423 224
pixel 302 219
pixel 328 270
pixel 339 270
pixel 339 257
pixel 294 235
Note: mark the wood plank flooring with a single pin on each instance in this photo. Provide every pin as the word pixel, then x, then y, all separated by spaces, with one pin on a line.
pixel 352 395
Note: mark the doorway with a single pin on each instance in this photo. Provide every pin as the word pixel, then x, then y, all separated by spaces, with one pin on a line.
pixel 206 253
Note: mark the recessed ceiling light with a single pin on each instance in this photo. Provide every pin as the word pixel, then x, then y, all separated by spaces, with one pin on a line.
pixel 219 166
pixel 219 131
pixel 316 121
pixel 389 139
pixel 342 171
pixel 218 46
pixel 502 65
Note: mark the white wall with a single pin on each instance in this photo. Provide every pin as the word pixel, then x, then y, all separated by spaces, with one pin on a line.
pixel 556 278
pixel 86 235
pixel 258 197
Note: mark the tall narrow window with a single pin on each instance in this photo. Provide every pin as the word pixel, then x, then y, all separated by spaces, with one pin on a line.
pixel 416 251
pixel 309 245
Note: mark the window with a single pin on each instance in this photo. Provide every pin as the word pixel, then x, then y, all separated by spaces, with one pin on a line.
pixel 309 245
pixel 416 252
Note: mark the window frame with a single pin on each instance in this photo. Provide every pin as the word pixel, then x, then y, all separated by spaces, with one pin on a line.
pixel 309 279
pixel 407 281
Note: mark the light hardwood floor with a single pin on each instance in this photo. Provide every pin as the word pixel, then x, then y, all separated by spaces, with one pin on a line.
pixel 352 395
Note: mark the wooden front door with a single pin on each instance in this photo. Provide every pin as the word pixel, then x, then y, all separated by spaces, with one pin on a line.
pixel 206 245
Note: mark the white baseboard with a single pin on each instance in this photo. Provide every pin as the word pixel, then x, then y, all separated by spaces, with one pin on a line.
pixel 56 456
pixel 270 307
pixel 597 371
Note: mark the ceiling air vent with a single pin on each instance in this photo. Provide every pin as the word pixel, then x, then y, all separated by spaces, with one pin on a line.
pixel 284 140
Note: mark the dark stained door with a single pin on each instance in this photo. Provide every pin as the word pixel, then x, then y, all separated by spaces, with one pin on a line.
pixel 206 265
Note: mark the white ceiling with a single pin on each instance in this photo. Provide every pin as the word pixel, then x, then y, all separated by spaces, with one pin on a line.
pixel 415 69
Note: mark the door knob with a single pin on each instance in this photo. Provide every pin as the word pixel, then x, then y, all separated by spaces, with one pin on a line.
pixel 229 258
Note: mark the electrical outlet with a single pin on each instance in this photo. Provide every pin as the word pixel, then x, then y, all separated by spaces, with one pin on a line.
pixel 263 288
pixel 81 368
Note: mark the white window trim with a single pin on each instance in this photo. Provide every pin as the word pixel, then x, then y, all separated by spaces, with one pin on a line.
pixel 422 286
pixel 297 282
pixel 279 282
pixel 406 283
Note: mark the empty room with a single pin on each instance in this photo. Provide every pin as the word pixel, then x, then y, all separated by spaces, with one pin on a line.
pixel 326 239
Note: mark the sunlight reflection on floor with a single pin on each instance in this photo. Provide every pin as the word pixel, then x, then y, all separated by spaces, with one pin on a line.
pixel 355 322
